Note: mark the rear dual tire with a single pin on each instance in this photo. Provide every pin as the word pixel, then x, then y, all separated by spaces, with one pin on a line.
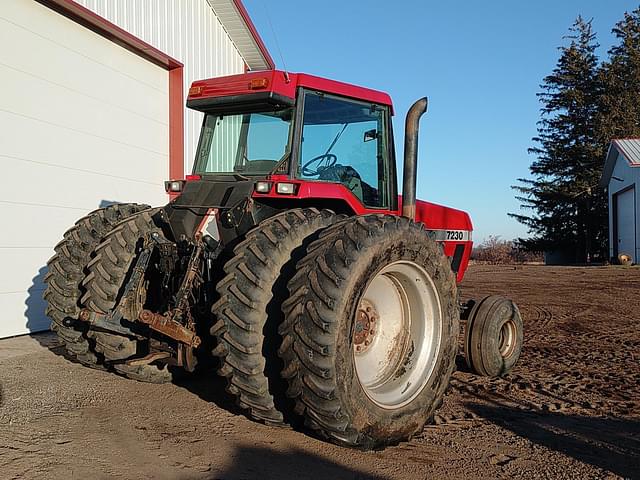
pixel 355 265
pixel 107 275
pixel 66 270
pixel 248 311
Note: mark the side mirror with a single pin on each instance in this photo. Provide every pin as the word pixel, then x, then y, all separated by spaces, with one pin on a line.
pixel 370 135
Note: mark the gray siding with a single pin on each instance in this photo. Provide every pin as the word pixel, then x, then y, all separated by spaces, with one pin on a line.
pixel 630 177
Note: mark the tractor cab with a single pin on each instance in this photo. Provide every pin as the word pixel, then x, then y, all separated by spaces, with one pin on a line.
pixel 276 126
pixel 273 140
pixel 327 139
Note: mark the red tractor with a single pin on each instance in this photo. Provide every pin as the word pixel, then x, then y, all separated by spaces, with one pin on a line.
pixel 290 256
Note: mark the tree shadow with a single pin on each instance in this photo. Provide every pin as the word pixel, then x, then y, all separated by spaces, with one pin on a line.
pixel 266 464
pixel 612 444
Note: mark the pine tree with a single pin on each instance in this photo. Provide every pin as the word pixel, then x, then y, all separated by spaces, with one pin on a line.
pixel 568 208
pixel 620 75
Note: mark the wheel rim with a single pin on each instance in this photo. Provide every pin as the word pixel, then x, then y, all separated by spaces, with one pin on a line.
pixel 397 334
pixel 507 338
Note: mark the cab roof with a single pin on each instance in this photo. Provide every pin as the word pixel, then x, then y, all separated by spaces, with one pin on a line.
pixel 274 84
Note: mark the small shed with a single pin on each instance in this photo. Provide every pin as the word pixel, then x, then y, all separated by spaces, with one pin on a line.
pixel 621 177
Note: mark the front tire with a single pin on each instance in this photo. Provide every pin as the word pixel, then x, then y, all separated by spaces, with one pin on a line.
pixel 493 336
pixel 371 331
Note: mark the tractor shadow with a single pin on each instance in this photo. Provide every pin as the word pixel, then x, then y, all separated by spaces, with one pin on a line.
pixel 210 387
pixel 35 307
pixel 204 382
pixel 461 364
pixel 37 320
pixel 612 444
pixel 38 324
pixel 35 313
pixel 265 463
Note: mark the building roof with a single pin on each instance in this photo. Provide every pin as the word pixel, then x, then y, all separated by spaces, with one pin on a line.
pixel 243 33
pixel 628 148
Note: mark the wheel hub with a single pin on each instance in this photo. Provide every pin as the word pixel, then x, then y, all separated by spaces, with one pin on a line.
pixel 365 326
pixel 506 338
pixel 397 334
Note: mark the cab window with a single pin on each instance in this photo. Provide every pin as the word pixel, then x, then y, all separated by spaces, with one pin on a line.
pixel 344 141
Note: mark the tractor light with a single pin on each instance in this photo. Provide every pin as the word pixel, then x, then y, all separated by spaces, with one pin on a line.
pixel 286 188
pixel 263 187
pixel 174 186
pixel 258 83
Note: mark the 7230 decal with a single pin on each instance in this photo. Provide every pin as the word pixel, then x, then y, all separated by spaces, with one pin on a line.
pixel 455 235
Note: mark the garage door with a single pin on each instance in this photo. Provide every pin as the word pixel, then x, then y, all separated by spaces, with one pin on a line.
pixel 625 223
pixel 83 123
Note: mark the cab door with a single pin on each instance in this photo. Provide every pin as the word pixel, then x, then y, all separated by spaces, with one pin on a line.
pixel 346 141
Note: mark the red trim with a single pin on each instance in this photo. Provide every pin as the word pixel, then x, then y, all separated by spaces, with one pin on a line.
pixel 105 28
pixel 176 124
pixel 449 249
pixel 256 36
pixel 342 88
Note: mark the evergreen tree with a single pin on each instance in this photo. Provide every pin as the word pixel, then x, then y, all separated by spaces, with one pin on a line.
pixel 620 75
pixel 569 210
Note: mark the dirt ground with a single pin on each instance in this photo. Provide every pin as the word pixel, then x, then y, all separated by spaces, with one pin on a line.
pixel 570 409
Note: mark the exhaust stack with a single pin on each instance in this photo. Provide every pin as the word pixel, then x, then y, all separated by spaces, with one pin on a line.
pixel 411 157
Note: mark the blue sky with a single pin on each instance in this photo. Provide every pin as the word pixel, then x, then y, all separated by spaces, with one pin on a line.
pixel 480 64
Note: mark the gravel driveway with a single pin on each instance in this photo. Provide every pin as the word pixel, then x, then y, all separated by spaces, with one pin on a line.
pixel 570 409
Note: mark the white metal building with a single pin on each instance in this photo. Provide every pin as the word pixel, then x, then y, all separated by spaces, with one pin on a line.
pixel 92 112
pixel 622 178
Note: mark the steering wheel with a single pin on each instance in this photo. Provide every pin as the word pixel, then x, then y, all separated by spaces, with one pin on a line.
pixel 307 171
